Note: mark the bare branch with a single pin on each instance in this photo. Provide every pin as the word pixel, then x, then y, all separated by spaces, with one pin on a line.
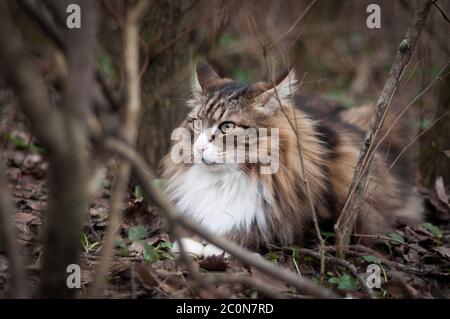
pixel 294 127
pixel 347 218
pixel 25 79
pixel 55 35
pixel 444 15
pixel 131 61
pixel 68 180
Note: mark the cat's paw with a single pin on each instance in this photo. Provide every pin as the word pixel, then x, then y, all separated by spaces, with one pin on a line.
pixel 192 247
pixel 211 250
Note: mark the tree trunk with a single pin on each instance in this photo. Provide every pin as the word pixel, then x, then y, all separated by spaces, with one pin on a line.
pixel 162 87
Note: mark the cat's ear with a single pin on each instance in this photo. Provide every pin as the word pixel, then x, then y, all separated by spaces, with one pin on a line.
pixel 286 88
pixel 270 98
pixel 205 78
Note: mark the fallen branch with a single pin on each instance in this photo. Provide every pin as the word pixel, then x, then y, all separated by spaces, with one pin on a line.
pixel 389 239
pixel 144 177
pixel 361 251
pixel 348 216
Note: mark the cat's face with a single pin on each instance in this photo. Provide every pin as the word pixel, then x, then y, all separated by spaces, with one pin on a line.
pixel 231 126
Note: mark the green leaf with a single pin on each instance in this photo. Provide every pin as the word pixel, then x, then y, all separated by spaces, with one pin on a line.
pixel 150 253
pixel 137 192
pixel 20 143
pixel 383 294
pixel 137 233
pixel 432 229
pixel 240 75
pixel 333 280
pixel 106 66
pixel 328 234
pixel 123 247
pixel 227 40
pixel 396 237
pixel 372 259
pixel 273 257
pixel 307 259
pixel 344 282
pixel 424 123
pixel 165 245
pixel 84 242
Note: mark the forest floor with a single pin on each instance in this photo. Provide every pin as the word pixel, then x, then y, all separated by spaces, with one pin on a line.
pixel 413 261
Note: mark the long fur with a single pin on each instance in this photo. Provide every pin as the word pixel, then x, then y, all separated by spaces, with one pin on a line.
pixel 256 209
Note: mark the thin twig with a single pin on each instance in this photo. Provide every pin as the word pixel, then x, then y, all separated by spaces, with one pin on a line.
pixel 54 34
pixel 294 127
pixel 296 22
pixel 361 251
pixel 380 237
pixel 336 261
pixel 444 15
pixel 347 218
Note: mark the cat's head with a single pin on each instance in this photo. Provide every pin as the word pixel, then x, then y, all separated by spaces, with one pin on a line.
pixel 232 125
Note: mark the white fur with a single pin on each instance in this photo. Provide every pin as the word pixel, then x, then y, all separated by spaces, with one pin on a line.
pixel 190 246
pixel 197 249
pixel 222 201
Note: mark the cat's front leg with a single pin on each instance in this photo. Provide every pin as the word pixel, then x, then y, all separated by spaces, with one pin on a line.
pixel 197 249
pixel 190 246
pixel 211 250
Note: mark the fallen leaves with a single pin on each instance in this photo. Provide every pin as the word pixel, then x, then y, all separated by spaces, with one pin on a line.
pixel 143 266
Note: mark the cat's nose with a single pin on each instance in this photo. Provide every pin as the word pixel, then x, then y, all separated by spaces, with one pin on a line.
pixel 202 143
pixel 203 147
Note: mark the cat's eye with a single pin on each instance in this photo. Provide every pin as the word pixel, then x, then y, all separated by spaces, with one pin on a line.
pixel 197 125
pixel 227 127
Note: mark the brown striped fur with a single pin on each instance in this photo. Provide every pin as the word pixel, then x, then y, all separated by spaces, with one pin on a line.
pixel 330 137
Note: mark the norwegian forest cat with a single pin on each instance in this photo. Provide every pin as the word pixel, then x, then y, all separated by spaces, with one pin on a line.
pixel 236 198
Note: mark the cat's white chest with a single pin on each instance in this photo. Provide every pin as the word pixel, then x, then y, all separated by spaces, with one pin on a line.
pixel 221 201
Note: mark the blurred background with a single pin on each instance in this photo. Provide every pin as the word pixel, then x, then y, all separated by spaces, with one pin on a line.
pixel 334 53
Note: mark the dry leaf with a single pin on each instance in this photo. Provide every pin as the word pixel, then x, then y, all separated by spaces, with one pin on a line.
pixel 214 263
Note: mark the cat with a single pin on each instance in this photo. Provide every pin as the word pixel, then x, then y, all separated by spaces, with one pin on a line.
pixel 240 201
